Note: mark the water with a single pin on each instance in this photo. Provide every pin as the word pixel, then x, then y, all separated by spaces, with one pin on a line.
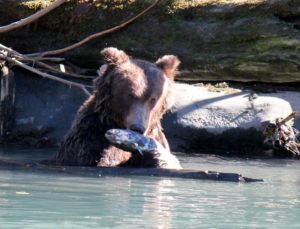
pixel 51 200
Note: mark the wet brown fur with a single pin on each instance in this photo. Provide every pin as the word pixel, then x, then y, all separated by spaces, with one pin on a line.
pixel 85 143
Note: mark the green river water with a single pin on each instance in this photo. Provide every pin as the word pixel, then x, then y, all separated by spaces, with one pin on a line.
pixel 51 200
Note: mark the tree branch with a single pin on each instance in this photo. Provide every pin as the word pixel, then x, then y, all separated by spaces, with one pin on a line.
pixel 93 36
pixel 11 51
pixel 37 60
pixel 54 70
pixel 31 18
pixel 46 75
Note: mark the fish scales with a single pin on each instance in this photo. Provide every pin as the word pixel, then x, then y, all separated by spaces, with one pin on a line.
pixel 130 140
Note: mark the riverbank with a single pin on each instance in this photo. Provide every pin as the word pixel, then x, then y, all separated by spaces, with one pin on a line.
pixel 222 118
pixel 253 46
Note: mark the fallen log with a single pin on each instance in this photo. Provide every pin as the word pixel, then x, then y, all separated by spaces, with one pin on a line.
pixel 152 172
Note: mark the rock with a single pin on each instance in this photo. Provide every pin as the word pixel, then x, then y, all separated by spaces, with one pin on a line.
pixel 44 110
pixel 227 122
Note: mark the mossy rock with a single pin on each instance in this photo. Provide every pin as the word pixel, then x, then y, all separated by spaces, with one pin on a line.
pixel 221 40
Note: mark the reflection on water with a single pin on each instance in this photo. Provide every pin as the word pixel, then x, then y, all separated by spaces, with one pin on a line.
pixel 52 200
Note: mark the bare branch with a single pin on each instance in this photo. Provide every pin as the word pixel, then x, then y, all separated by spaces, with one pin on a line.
pixel 52 69
pixel 93 36
pixel 37 61
pixel 46 75
pixel 31 18
pixel 11 51
pixel 52 59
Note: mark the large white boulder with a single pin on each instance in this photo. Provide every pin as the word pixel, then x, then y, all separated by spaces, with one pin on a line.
pixel 198 108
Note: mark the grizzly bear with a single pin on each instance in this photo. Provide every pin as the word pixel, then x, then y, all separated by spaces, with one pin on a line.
pixel 130 94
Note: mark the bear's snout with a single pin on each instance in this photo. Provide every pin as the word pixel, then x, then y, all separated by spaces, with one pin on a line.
pixel 138 117
pixel 138 128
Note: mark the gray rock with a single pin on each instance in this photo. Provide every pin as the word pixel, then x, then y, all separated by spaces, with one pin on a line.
pixel 44 109
pixel 203 120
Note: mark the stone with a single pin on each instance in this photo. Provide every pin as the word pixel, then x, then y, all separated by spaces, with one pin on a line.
pixel 214 119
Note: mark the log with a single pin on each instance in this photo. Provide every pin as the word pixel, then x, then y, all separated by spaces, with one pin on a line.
pixel 152 172
pixel 7 102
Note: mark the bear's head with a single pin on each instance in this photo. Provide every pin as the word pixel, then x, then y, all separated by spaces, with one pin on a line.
pixel 132 93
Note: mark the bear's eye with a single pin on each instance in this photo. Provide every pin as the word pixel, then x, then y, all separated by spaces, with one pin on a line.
pixel 153 102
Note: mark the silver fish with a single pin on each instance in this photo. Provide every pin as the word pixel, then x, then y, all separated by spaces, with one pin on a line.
pixel 130 141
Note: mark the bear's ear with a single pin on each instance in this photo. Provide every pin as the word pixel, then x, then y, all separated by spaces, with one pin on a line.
pixel 101 71
pixel 169 65
pixel 114 56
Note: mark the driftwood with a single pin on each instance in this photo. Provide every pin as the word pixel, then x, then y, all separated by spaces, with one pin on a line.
pixel 32 18
pixel 54 70
pixel 152 172
pixel 46 75
pixel 288 118
pixel 18 59
pixel 39 61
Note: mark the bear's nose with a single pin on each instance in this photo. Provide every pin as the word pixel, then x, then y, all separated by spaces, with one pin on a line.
pixel 138 128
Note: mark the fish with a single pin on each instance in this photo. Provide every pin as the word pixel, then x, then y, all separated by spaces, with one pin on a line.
pixel 131 141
